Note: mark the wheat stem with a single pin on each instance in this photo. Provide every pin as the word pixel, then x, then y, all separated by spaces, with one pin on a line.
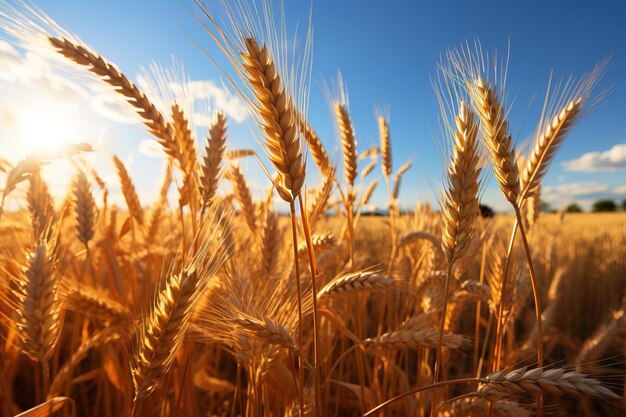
pixel 294 237
pixel 314 274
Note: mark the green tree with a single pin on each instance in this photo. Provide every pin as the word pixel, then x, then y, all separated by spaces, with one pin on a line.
pixel 486 211
pixel 573 208
pixel 545 206
pixel 604 205
pixel 624 205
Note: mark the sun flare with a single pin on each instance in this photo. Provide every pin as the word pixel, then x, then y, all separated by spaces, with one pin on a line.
pixel 45 128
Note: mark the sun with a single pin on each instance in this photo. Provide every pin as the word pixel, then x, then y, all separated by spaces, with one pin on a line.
pixel 45 127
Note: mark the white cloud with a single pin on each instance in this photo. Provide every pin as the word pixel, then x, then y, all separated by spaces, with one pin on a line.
pixel 198 97
pixel 209 91
pixel 574 189
pixel 612 160
pixel 563 194
pixel 151 147
pixel 620 190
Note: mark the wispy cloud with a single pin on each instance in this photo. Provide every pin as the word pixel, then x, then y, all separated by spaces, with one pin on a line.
pixel 199 97
pixel 151 147
pixel 563 194
pixel 612 160
pixel 620 190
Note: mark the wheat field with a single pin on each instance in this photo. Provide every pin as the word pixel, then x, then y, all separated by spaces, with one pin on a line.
pixel 212 301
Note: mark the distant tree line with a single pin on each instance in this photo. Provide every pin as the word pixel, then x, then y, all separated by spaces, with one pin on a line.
pixel 600 206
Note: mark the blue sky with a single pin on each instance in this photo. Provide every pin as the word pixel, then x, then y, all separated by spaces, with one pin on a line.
pixel 387 52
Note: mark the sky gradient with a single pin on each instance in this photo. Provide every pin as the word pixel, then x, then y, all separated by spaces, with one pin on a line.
pixel 387 52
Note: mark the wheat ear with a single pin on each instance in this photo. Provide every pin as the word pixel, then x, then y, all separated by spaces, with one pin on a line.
pixel 40 204
pixel 321 243
pixel 356 282
pixel 270 244
pixel 110 74
pixel 159 208
pixel 278 118
pixel 163 331
pixel 187 157
pixel 93 304
pixel 385 145
pixel 268 330
pixel 460 202
pixel 38 303
pixel 556 381
pixel 546 145
pixel 244 198
pixel 84 207
pixel 348 142
pixel 414 339
pixel 232 154
pixel 318 151
pixel 497 138
pixel 129 191
pixel 212 161
pixel 320 200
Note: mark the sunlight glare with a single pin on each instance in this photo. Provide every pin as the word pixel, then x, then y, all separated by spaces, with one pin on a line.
pixel 45 127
